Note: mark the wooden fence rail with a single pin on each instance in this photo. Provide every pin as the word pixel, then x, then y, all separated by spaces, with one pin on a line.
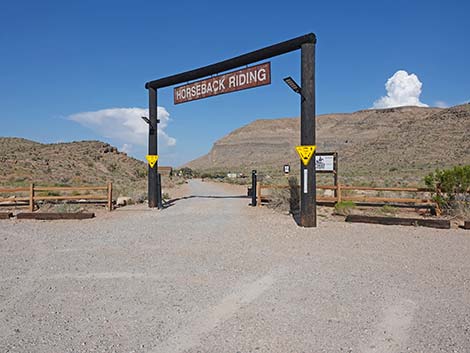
pixel 340 195
pixel 32 197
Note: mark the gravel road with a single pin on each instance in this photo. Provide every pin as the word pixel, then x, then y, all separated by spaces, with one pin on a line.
pixel 210 274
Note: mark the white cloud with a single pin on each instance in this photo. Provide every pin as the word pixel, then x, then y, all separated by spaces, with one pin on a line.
pixel 441 104
pixel 124 125
pixel 126 148
pixel 402 89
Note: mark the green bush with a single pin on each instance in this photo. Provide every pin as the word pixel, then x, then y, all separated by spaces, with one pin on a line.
pixel 452 187
pixel 451 181
pixel 344 207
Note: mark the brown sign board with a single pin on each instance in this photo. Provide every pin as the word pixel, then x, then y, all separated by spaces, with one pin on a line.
pixel 250 77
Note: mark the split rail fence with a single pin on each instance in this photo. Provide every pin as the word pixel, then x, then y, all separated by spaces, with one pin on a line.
pixel 349 193
pixel 29 196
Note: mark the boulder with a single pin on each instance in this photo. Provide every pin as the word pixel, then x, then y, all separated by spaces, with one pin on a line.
pixel 123 201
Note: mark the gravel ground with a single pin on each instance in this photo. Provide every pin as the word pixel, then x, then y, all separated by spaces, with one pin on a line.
pixel 210 274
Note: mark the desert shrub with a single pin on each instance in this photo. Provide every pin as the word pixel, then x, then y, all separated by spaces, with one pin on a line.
pixel 279 199
pixel 344 208
pixel 67 208
pixel 387 209
pixel 285 200
pixel 452 188
pixel 186 172
pixel 141 172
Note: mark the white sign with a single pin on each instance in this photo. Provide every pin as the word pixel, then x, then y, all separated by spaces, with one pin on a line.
pixel 325 163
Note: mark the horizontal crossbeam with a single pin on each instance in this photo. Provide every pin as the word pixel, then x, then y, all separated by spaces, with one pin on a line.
pixel 229 64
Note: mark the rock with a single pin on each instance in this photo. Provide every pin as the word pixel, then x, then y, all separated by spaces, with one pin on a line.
pixel 123 201
pixel 329 193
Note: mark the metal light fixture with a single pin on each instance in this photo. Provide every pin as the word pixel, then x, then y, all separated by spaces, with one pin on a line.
pixel 293 85
pixel 147 120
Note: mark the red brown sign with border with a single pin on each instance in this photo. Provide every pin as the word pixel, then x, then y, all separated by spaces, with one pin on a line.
pixel 259 75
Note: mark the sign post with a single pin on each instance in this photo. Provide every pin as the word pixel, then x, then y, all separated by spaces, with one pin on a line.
pixel 327 162
pixel 308 190
pixel 153 183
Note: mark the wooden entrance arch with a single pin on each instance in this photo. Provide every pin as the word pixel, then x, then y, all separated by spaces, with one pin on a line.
pixel 306 43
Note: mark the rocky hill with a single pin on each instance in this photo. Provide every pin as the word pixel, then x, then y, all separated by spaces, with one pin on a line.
pixel 76 163
pixel 387 146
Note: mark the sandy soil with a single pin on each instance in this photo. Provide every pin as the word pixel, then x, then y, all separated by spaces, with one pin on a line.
pixel 210 274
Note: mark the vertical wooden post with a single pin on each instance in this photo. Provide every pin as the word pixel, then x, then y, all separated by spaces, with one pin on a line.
pixel 335 171
pixel 31 197
pixel 153 186
pixel 110 196
pixel 258 193
pixel 308 190
pixel 338 188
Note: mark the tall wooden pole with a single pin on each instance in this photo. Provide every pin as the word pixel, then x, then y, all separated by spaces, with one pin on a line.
pixel 153 191
pixel 308 200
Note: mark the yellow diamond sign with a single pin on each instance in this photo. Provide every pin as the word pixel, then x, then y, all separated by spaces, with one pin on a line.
pixel 152 159
pixel 305 153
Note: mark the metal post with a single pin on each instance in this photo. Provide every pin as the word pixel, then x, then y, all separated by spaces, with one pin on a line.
pixel 253 187
pixel 308 201
pixel 153 194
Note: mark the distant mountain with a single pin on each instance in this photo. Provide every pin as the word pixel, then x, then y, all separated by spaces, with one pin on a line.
pixel 382 145
pixel 76 163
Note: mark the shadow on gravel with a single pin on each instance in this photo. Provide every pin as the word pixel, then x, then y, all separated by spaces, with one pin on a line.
pixel 171 202
pixel 294 199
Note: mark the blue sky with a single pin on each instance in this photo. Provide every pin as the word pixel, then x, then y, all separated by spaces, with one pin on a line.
pixel 59 59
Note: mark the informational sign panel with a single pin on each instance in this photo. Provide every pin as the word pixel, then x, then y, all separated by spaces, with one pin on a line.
pixel 286 168
pixel 325 162
pixel 250 77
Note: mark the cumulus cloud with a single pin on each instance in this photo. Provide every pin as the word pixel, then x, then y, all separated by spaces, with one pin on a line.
pixel 126 148
pixel 402 89
pixel 124 125
pixel 441 104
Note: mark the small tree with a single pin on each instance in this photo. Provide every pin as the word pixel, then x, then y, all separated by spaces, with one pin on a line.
pixel 452 188
pixel 187 172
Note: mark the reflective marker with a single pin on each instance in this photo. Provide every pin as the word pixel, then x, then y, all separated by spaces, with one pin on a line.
pixel 305 181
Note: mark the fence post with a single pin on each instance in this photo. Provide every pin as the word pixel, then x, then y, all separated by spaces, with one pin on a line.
pixel 258 193
pixel 110 196
pixel 339 193
pixel 335 173
pixel 31 197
